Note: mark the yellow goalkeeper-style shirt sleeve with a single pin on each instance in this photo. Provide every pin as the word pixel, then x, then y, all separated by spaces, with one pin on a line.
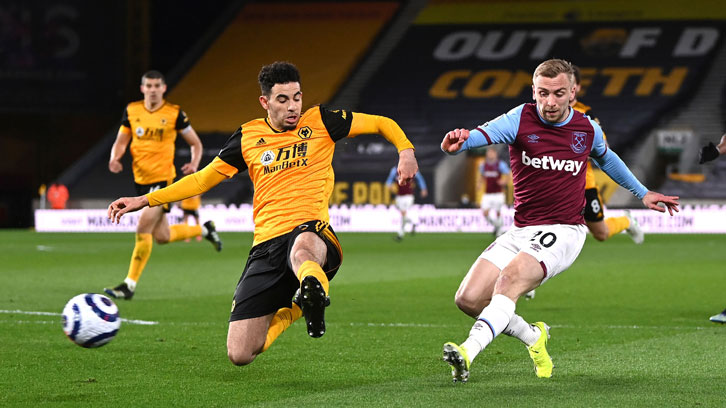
pixel 189 186
pixel 364 123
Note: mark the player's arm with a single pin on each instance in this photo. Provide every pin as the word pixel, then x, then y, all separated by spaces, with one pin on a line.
pixel 506 173
pixel 616 169
pixel 500 130
pixel 123 138
pixel 390 178
pixel 422 185
pixel 195 145
pixel 363 123
pixel 189 186
pixel 712 151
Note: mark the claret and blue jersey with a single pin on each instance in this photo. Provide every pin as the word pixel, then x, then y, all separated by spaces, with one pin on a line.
pixel 548 162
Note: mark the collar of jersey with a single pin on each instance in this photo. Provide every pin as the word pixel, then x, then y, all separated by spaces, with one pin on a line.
pixel 272 128
pixel 155 110
pixel 558 124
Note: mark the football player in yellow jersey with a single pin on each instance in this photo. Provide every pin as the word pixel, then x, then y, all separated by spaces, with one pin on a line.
pixel 295 252
pixel 150 128
pixel 601 228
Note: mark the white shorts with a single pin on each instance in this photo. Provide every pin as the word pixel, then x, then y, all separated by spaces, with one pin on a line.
pixel 555 246
pixel 492 201
pixel 404 202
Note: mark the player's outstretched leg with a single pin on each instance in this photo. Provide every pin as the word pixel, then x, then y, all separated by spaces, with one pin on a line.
pixel 121 291
pixel 456 357
pixel 538 351
pixel 313 301
pixel 719 318
pixel 634 230
pixel 212 236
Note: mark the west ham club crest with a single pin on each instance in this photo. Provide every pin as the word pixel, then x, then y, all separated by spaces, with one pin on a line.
pixel 578 142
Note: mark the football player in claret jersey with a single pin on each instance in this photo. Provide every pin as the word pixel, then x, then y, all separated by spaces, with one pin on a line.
pixel 149 129
pixel 600 227
pixel 405 198
pixel 295 252
pixel 549 145
pixel 494 175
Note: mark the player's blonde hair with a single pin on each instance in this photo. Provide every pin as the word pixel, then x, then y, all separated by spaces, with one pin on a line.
pixel 553 67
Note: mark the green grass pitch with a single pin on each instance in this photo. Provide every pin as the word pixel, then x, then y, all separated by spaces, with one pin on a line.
pixel 629 327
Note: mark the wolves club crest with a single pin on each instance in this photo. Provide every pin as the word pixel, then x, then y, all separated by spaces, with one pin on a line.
pixel 578 142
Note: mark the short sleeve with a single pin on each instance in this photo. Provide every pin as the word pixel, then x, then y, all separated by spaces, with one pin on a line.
pixel 125 119
pixel 182 121
pixel 337 122
pixel 231 152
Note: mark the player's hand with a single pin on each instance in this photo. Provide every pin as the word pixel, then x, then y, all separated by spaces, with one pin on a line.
pixel 454 139
pixel 115 166
pixel 424 193
pixel 188 169
pixel 651 200
pixel 708 153
pixel 407 166
pixel 124 205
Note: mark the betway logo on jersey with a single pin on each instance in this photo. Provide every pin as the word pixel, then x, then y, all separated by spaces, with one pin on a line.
pixel 550 163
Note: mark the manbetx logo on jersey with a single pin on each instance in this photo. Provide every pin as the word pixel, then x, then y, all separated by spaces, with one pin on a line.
pixel 550 163
pixel 289 156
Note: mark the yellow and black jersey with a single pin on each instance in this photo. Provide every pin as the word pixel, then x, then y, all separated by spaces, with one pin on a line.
pixel 589 174
pixel 291 170
pixel 153 135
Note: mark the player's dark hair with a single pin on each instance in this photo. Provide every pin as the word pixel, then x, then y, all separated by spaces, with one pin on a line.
pixel 576 73
pixel 553 67
pixel 280 72
pixel 153 74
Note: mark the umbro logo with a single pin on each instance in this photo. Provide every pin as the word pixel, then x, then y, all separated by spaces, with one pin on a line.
pixel 260 142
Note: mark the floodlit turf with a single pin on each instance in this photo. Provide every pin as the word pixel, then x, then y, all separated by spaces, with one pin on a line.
pixel 629 327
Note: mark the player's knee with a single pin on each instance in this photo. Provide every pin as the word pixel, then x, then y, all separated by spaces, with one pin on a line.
pixel 240 357
pixel 600 235
pixel 471 305
pixel 160 239
pixel 298 257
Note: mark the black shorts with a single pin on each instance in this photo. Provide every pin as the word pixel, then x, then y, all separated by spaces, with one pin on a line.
pixel 194 213
pixel 268 282
pixel 593 206
pixel 143 189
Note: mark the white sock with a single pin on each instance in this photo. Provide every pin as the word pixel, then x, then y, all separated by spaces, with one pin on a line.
pixel 402 231
pixel 498 222
pixel 522 330
pixel 130 283
pixel 492 321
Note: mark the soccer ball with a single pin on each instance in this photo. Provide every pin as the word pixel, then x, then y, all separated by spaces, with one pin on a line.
pixel 91 320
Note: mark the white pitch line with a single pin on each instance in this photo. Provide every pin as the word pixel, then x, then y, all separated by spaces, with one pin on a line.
pixel 554 326
pixel 425 325
pixel 26 312
pixel 383 324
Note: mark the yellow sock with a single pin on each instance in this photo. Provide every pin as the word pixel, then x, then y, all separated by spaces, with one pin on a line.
pixel 312 268
pixel 141 254
pixel 617 225
pixel 283 319
pixel 179 232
